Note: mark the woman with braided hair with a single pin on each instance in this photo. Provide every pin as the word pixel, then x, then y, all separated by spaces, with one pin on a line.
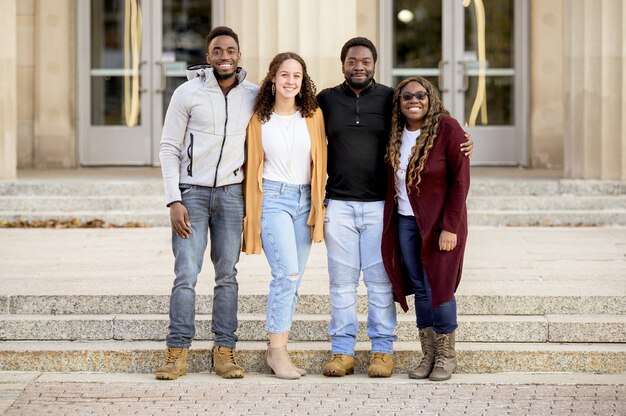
pixel 425 220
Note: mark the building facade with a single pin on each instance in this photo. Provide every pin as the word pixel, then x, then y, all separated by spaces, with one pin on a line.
pixel 538 83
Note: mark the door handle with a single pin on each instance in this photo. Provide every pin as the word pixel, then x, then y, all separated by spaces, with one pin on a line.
pixel 163 86
pixel 142 89
pixel 465 87
pixel 442 88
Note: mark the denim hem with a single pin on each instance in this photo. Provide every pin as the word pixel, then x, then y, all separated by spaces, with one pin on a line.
pixel 343 353
pixel 269 331
pixel 381 351
pixel 215 344
pixel 178 346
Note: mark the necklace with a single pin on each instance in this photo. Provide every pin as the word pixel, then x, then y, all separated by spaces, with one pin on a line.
pixel 285 128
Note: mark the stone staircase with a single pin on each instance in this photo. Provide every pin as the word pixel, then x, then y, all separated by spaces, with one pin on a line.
pixel 496 333
pixel 520 318
pixel 497 202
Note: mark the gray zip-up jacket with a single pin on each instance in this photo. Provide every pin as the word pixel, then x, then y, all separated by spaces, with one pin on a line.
pixel 204 133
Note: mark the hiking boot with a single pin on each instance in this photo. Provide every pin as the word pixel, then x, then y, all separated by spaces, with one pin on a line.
pixel 445 358
pixel 381 365
pixel 429 345
pixel 224 362
pixel 340 365
pixel 175 364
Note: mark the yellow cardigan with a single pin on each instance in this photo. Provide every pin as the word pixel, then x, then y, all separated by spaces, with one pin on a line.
pixel 253 182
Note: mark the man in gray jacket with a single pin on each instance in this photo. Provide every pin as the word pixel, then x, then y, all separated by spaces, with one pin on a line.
pixel 202 152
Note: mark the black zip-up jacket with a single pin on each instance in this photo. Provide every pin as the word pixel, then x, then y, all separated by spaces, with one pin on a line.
pixel 357 128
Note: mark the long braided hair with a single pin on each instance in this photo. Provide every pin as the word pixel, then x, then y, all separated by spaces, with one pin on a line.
pixel 426 139
pixel 305 100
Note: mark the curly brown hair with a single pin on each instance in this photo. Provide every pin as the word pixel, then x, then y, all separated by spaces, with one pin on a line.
pixel 428 132
pixel 305 100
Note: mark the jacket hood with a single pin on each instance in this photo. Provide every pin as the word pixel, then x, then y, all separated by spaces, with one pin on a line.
pixel 205 72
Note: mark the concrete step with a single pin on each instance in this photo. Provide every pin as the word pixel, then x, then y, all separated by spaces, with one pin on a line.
pixel 472 328
pixel 95 204
pixel 102 204
pixel 499 202
pixel 138 186
pixel 160 218
pixel 548 218
pixel 307 304
pixel 145 356
pixel 546 203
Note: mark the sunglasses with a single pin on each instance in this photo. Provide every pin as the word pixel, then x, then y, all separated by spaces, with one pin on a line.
pixel 420 95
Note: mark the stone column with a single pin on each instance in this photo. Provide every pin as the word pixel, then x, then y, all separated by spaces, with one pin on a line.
pixel 54 130
pixel 8 86
pixel 316 30
pixel 546 87
pixel 595 89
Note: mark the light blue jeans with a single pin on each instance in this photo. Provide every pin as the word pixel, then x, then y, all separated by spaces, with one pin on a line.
pixel 220 212
pixel 286 241
pixel 353 232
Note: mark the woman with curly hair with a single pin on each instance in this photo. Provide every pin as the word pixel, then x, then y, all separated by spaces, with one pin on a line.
pixel 285 177
pixel 426 218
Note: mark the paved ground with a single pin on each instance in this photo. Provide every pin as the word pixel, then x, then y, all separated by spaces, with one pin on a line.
pixel 515 261
pixel 206 394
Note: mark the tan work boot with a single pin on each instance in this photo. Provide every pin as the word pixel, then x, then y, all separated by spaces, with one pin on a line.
pixel 445 358
pixel 340 365
pixel 429 346
pixel 175 364
pixel 224 362
pixel 381 365
pixel 277 362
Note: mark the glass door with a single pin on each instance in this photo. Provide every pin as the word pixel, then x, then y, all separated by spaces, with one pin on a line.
pixel 474 52
pixel 132 54
pixel 182 27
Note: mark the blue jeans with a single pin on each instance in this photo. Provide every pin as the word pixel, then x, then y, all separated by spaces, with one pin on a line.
pixel 286 241
pixel 353 232
pixel 443 317
pixel 220 212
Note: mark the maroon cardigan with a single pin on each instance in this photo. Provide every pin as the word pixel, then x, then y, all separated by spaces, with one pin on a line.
pixel 440 205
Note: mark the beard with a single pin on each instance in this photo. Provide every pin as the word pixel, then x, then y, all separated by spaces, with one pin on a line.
pixel 220 76
pixel 359 85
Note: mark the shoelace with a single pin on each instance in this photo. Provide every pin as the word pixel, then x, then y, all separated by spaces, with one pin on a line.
pixel 426 351
pixel 227 354
pixel 378 355
pixel 172 356
pixel 440 359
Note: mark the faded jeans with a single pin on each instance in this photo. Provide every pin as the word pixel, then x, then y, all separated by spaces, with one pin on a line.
pixel 286 241
pixel 353 232
pixel 220 212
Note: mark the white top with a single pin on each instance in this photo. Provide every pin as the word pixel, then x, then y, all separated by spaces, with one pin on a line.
pixel 408 141
pixel 287 147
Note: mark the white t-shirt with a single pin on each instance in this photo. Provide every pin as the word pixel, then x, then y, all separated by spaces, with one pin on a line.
pixel 287 147
pixel 408 141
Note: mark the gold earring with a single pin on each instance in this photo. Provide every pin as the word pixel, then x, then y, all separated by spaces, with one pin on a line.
pixel 273 89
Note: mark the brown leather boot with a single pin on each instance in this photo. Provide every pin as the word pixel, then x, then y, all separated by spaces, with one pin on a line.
pixel 224 362
pixel 429 345
pixel 445 358
pixel 277 362
pixel 381 365
pixel 175 364
pixel 340 365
